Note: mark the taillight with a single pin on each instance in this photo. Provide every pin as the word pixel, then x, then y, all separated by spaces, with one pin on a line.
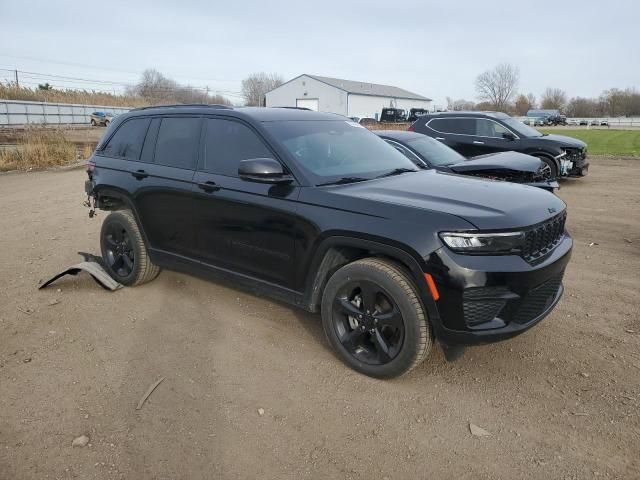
pixel 410 129
pixel 91 166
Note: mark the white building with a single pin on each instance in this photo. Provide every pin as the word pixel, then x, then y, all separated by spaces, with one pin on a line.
pixel 346 97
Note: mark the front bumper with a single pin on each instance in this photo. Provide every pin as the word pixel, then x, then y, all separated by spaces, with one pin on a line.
pixel 485 299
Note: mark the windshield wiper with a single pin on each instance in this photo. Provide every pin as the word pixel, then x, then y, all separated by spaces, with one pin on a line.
pixel 344 180
pixel 396 171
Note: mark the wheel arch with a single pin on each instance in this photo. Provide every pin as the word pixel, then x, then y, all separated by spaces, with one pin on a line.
pixel 338 250
pixel 113 199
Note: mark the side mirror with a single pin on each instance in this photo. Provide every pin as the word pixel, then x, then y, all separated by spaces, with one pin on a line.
pixel 508 136
pixel 263 170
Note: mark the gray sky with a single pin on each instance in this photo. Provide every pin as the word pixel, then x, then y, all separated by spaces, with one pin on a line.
pixel 432 48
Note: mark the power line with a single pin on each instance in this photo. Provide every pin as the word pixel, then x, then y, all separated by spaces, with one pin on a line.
pixel 45 77
pixel 103 68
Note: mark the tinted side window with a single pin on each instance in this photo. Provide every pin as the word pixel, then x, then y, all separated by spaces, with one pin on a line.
pixel 127 141
pixel 177 142
pixel 227 142
pixel 489 128
pixel 466 126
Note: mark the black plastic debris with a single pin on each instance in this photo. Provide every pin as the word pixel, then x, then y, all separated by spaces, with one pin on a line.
pixel 93 266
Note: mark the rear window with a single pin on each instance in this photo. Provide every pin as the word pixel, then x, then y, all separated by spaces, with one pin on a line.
pixel 177 142
pixel 127 142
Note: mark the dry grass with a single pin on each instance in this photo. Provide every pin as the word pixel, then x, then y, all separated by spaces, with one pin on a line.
pixel 9 91
pixel 39 148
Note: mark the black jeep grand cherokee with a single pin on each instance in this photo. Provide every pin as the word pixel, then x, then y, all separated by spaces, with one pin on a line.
pixel 478 133
pixel 318 211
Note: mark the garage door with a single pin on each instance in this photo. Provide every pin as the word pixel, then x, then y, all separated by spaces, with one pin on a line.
pixel 310 103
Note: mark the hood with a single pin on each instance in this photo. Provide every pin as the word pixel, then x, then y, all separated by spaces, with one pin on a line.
pixel 487 204
pixel 514 161
pixel 562 141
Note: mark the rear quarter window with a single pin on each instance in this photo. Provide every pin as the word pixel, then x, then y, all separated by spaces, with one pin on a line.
pixel 459 126
pixel 127 142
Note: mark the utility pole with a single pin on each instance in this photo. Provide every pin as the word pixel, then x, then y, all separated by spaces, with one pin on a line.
pixel 17 82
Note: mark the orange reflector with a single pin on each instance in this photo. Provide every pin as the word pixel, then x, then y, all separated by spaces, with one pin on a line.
pixel 432 286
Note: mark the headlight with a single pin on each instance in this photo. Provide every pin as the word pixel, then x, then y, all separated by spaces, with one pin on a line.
pixel 484 243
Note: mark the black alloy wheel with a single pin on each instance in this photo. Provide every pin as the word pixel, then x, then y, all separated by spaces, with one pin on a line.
pixel 374 319
pixel 119 253
pixel 368 323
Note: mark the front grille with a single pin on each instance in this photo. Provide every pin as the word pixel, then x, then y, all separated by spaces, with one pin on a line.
pixel 541 239
pixel 538 300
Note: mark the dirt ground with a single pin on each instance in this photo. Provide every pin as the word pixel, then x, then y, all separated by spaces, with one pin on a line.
pixel 561 401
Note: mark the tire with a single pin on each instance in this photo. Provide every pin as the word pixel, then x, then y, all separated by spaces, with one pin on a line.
pixel 93 122
pixel 548 171
pixel 123 251
pixel 106 123
pixel 358 338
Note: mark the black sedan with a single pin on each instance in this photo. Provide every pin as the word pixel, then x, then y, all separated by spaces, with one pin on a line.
pixel 427 152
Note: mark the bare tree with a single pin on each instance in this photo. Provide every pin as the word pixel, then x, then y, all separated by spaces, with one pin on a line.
pixel 553 98
pixel 256 85
pixel 154 87
pixel 532 100
pixel 522 105
pixel 498 86
pixel 459 104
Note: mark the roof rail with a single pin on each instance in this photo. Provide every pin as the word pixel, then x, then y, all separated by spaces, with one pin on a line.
pixel 190 105
pixel 294 108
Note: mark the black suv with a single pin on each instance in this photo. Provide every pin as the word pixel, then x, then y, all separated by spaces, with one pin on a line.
pixel 317 211
pixel 393 115
pixel 477 133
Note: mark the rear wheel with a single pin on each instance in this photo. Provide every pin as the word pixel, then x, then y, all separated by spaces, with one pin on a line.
pixel 374 320
pixel 93 122
pixel 123 250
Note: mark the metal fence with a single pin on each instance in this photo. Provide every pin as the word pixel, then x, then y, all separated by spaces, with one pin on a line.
pixel 19 112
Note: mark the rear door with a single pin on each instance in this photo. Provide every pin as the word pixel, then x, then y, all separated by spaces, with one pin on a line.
pixel 243 226
pixel 164 196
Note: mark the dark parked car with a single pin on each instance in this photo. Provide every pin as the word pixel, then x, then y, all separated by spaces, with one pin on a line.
pixel 551 116
pixel 393 115
pixel 477 133
pixel 415 113
pixel 317 211
pixel 427 152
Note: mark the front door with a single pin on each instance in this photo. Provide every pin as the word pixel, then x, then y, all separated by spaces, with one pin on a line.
pixel 490 139
pixel 242 226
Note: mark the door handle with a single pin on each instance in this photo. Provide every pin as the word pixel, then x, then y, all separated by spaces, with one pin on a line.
pixel 209 186
pixel 477 142
pixel 439 138
pixel 140 174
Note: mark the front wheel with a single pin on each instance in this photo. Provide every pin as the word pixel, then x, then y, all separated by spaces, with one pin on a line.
pixel 548 170
pixel 373 318
pixel 123 251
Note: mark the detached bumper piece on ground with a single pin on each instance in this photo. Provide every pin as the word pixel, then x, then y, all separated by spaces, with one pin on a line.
pixel 93 267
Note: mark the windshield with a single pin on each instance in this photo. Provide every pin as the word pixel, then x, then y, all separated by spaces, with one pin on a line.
pixel 434 152
pixel 332 149
pixel 520 128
